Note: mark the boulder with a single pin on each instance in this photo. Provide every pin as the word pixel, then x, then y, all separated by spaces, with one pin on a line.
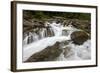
pixel 79 37
pixel 48 54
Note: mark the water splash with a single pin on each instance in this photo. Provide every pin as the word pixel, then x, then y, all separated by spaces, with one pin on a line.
pixel 35 42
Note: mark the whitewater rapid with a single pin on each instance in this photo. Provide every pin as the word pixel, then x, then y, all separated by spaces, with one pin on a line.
pixel 77 52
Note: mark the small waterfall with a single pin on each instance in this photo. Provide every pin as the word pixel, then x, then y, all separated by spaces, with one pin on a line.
pixel 25 40
pixel 56 28
pixel 35 37
pixel 51 30
pixel 41 32
pixel 55 32
pixel 30 37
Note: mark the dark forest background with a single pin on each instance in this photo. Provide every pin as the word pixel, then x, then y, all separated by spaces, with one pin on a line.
pixel 28 14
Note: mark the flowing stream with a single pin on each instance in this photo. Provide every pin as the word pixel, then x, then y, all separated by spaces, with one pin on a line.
pixel 44 37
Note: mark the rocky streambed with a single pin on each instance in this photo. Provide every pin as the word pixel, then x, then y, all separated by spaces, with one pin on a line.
pixel 56 39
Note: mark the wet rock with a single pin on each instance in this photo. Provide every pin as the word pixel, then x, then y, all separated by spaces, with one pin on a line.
pixel 67 51
pixel 67 22
pixel 79 37
pixel 48 54
pixel 82 24
pixel 63 44
pixel 79 24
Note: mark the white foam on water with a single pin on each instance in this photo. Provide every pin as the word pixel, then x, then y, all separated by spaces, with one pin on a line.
pixel 78 52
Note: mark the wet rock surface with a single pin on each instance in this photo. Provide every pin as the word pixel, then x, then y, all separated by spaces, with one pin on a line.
pixel 82 24
pixel 48 54
pixel 79 37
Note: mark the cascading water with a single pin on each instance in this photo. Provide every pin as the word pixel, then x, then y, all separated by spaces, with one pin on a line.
pixel 35 42
pixel 57 28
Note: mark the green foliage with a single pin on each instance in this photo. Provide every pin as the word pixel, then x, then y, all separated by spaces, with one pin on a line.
pixel 86 16
pixel 47 14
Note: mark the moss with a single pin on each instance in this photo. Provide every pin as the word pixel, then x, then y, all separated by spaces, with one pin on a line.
pixel 28 14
